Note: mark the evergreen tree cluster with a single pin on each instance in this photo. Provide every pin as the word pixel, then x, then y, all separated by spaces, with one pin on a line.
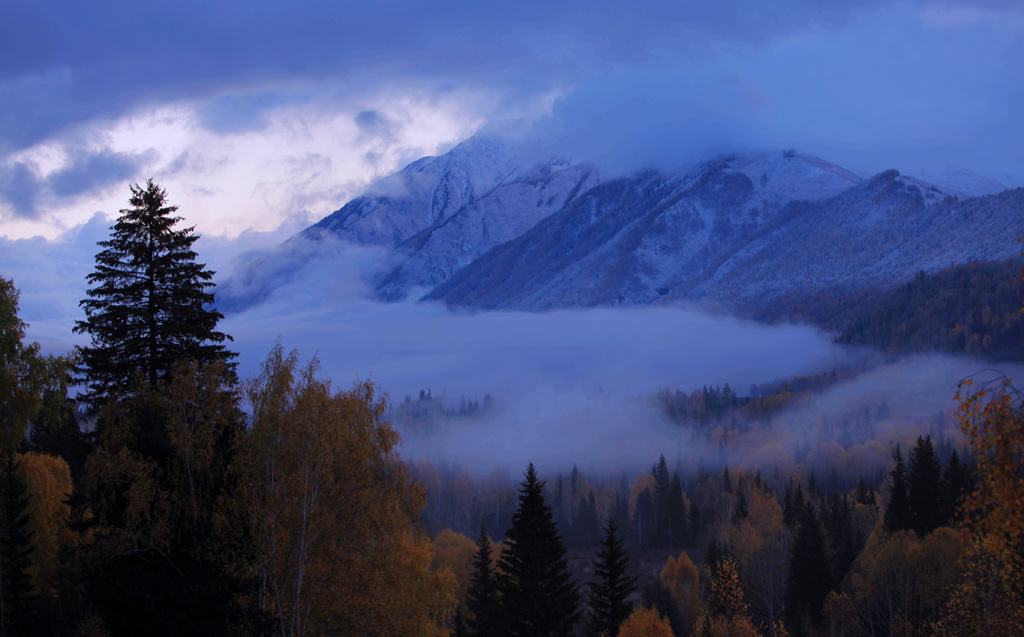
pixel 971 309
pixel 929 496
pixel 530 591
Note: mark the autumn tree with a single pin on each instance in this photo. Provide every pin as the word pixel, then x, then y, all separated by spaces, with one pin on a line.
pixel 336 545
pixel 609 594
pixel 538 596
pixel 727 611
pixel 681 579
pixel 988 598
pixel 148 307
pixel 645 622
pixel 49 486
pixel 21 372
pixel 21 378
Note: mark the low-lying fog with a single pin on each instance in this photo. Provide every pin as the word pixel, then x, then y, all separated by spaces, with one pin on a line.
pixel 568 384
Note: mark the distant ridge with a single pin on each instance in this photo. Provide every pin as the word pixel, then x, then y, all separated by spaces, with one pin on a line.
pixel 473 228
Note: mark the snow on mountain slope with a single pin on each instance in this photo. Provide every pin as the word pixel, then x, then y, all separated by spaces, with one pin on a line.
pixel 743 232
pixel 876 235
pixel 422 194
pixel 635 240
pixel 504 213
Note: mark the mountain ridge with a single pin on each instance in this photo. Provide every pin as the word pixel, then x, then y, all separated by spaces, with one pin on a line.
pixel 474 228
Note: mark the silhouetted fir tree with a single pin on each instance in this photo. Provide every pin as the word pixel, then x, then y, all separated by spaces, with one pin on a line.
pixel 661 502
pixel 537 595
pixel 927 504
pixel 957 483
pixel 788 514
pixel 741 511
pixel 620 510
pixel 148 307
pixel 15 550
pixel 678 534
pixel 865 494
pixel 643 520
pixel 482 595
pixel 55 430
pixel 609 594
pixel 726 480
pixel 810 576
pixel 793 505
pixel 897 512
pixel 458 623
pixel 845 545
pixel 587 530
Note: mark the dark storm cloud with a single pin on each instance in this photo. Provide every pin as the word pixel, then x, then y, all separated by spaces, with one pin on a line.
pixel 67 62
pixel 92 171
pixel 86 172
pixel 19 186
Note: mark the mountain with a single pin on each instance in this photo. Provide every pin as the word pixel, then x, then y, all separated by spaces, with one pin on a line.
pixel 502 214
pixel 422 194
pixel 762 235
pixel 637 239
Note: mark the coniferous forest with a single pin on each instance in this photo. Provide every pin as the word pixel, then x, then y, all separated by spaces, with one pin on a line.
pixel 146 489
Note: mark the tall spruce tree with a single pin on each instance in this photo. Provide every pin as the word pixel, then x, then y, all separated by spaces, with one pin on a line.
pixel 147 308
pixel 609 595
pixel 537 595
pixel 897 512
pixel 927 505
pixel 15 549
pixel 957 483
pixel 811 574
pixel 482 596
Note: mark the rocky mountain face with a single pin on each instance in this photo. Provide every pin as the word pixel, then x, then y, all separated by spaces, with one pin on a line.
pixel 473 228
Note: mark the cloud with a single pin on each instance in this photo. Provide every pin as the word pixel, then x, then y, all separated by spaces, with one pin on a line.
pixel 88 172
pixel 73 64
pixel 19 187
pixel 370 86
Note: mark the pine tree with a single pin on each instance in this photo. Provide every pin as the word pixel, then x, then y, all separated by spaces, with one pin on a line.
pixel 538 597
pixel 810 577
pixel 741 511
pixel 15 549
pixel 147 309
pixel 482 596
pixel 897 512
pixel 609 595
pixel 927 506
pixel 677 531
pixel 957 483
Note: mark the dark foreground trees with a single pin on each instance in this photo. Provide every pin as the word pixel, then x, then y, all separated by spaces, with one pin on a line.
pixel 609 595
pixel 538 597
pixel 482 596
pixel 148 307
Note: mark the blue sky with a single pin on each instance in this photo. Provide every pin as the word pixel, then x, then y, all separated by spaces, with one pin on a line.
pixel 263 117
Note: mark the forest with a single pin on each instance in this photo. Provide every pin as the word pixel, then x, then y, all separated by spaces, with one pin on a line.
pixel 146 489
